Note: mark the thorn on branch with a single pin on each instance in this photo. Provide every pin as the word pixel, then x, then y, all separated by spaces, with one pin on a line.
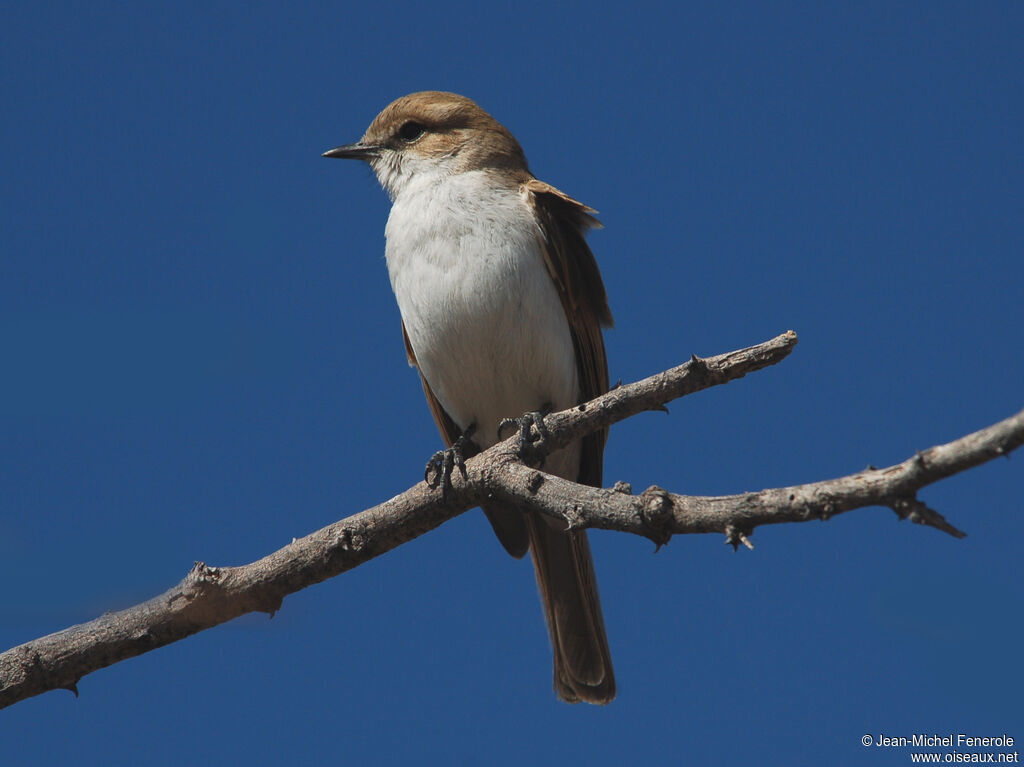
pixel 272 610
pixel 656 515
pixel 734 536
pixel 73 687
pixel 698 368
pixel 202 575
pixel 909 507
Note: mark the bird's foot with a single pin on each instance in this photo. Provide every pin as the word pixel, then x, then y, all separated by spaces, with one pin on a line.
pixel 444 462
pixel 527 443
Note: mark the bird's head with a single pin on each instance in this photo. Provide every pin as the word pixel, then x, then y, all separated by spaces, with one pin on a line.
pixel 432 134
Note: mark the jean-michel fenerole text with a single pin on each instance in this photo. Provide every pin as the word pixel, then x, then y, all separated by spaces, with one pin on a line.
pixel 952 740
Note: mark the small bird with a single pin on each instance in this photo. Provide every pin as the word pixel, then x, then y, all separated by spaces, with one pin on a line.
pixel 502 307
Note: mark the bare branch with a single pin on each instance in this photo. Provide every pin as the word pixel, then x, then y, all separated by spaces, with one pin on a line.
pixel 209 596
pixel 654 392
pixel 658 514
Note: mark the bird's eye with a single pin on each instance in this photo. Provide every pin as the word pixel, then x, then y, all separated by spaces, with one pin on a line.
pixel 411 131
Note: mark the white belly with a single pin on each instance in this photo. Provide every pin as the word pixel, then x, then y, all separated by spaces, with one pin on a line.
pixel 484 319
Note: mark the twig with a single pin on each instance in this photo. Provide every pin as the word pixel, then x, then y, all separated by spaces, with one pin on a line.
pixel 658 514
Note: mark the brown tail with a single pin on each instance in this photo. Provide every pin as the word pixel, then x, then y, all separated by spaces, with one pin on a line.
pixel 568 590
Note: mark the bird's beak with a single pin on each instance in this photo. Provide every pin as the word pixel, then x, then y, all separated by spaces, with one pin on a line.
pixel 358 151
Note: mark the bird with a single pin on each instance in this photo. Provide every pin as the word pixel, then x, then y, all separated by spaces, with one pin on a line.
pixel 502 306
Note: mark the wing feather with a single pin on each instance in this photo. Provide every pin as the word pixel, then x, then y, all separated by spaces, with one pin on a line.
pixel 562 561
pixel 573 269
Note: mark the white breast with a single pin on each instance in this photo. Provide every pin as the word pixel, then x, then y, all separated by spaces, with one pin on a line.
pixel 483 316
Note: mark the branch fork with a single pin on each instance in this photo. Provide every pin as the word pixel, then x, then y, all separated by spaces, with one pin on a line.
pixel 209 596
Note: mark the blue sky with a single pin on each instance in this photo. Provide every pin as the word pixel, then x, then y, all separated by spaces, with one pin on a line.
pixel 202 360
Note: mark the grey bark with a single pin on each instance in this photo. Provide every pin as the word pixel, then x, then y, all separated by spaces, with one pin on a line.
pixel 209 596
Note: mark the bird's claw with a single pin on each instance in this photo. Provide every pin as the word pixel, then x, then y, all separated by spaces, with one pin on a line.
pixel 526 443
pixel 444 462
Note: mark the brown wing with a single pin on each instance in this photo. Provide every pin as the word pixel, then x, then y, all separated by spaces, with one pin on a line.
pixel 574 271
pixel 561 559
pixel 508 524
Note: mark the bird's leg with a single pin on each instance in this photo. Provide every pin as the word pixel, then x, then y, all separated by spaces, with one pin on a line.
pixel 443 462
pixel 526 443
